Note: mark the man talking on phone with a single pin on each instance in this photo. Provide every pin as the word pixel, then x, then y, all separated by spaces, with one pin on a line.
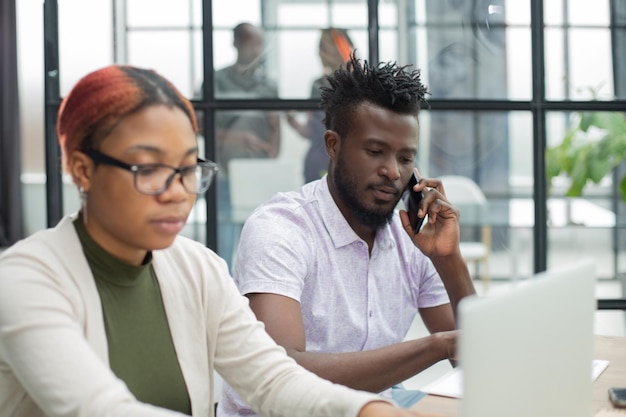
pixel 335 272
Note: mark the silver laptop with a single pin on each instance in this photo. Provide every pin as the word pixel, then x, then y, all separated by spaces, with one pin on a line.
pixel 528 352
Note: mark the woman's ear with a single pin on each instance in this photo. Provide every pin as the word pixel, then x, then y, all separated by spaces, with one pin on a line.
pixel 80 167
pixel 332 140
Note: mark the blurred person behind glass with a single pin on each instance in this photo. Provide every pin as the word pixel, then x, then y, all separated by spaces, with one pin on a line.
pixel 334 51
pixel 243 133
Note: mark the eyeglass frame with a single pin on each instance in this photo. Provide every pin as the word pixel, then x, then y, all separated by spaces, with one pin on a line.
pixel 104 159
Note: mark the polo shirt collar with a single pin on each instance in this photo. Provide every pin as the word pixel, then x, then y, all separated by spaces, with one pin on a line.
pixel 336 224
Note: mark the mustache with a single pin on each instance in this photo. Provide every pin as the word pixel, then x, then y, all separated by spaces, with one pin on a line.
pixel 385 184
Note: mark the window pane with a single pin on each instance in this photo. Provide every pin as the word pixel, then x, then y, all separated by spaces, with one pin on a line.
pixel 168 52
pixel 388 13
pixel 587 74
pixel 224 53
pixel 591 68
pixel 482 51
pixel 252 167
pixel 584 225
pixel 165 13
pixel 300 66
pixel 557 84
pixel 348 14
pixel 299 63
pixel 389 48
pixel 293 42
pixel 579 51
pixel 553 12
pixel 495 150
pixel 589 14
pixel 280 62
pixel 79 54
pixel 229 13
pixel 518 12
pixel 195 228
pixel 301 14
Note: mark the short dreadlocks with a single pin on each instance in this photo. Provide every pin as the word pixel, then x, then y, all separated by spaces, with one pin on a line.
pixel 386 85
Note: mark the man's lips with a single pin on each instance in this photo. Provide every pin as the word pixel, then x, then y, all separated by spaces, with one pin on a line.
pixel 385 193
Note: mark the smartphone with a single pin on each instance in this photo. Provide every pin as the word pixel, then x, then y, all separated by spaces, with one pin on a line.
pixel 411 200
pixel 618 396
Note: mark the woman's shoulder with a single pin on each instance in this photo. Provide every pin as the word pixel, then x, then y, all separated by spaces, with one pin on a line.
pixel 55 240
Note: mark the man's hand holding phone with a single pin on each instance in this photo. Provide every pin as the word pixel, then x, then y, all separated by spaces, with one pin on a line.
pixel 440 234
pixel 411 200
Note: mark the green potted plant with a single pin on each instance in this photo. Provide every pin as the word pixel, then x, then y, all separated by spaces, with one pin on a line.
pixel 593 146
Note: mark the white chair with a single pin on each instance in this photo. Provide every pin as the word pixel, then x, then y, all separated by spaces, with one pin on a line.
pixel 253 181
pixel 467 196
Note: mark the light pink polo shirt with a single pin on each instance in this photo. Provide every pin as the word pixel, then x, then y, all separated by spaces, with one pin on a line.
pixel 299 245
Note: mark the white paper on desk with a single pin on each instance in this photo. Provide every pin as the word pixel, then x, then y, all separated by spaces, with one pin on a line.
pixel 451 383
pixel 597 367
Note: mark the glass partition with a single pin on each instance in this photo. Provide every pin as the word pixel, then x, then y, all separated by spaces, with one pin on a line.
pixel 89 37
pixel 494 150
pixel 586 212
pixel 259 154
pixel 284 44
pixel 472 55
pixel 471 50
pixel 579 50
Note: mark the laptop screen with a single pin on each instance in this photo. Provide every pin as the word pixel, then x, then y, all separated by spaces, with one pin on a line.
pixel 528 352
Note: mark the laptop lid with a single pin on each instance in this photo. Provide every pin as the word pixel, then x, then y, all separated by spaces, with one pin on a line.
pixel 528 352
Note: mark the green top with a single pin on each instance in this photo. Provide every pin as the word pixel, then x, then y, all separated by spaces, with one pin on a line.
pixel 141 351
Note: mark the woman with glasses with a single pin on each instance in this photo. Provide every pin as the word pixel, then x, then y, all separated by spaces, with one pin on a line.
pixel 111 313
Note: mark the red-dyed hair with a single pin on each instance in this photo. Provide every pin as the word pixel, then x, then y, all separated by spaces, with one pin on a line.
pixel 101 99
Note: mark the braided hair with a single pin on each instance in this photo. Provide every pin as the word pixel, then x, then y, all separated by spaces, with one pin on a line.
pixel 101 99
pixel 385 85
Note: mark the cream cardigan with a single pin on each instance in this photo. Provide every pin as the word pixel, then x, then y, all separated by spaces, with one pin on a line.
pixel 53 348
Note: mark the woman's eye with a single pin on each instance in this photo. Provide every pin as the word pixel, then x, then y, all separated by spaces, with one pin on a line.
pixel 374 152
pixel 188 170
pixel 148 169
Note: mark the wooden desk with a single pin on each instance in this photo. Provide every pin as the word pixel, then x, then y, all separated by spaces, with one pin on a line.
pixel 605 347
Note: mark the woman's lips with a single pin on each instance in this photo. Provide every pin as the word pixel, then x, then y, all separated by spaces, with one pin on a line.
pixel 169 225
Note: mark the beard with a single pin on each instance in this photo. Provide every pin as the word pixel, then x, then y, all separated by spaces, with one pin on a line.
pixel 347 190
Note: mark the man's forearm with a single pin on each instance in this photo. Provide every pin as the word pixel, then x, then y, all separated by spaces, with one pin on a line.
pixel 379 369
pixel 456 278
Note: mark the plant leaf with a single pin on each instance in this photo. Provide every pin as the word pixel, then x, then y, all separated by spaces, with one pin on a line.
pixel 579 173
pixel 592 147
pixel 612 122
pixel 553 162
pixel 599 168
pixel 586 120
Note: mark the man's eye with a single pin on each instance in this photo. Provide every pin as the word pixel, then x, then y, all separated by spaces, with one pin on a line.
pixel 374 152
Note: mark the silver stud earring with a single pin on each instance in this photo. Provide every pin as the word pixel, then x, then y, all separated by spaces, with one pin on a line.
pixel 83 203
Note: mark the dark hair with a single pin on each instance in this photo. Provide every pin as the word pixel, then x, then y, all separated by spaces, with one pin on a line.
pixel 101 99
pixel 241 32
pixel 386 85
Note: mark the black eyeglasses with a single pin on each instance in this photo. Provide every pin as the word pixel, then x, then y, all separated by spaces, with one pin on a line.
pixel 154 179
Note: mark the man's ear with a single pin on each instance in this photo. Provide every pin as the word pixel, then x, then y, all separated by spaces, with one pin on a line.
pixel 332 140
pixel 81 167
